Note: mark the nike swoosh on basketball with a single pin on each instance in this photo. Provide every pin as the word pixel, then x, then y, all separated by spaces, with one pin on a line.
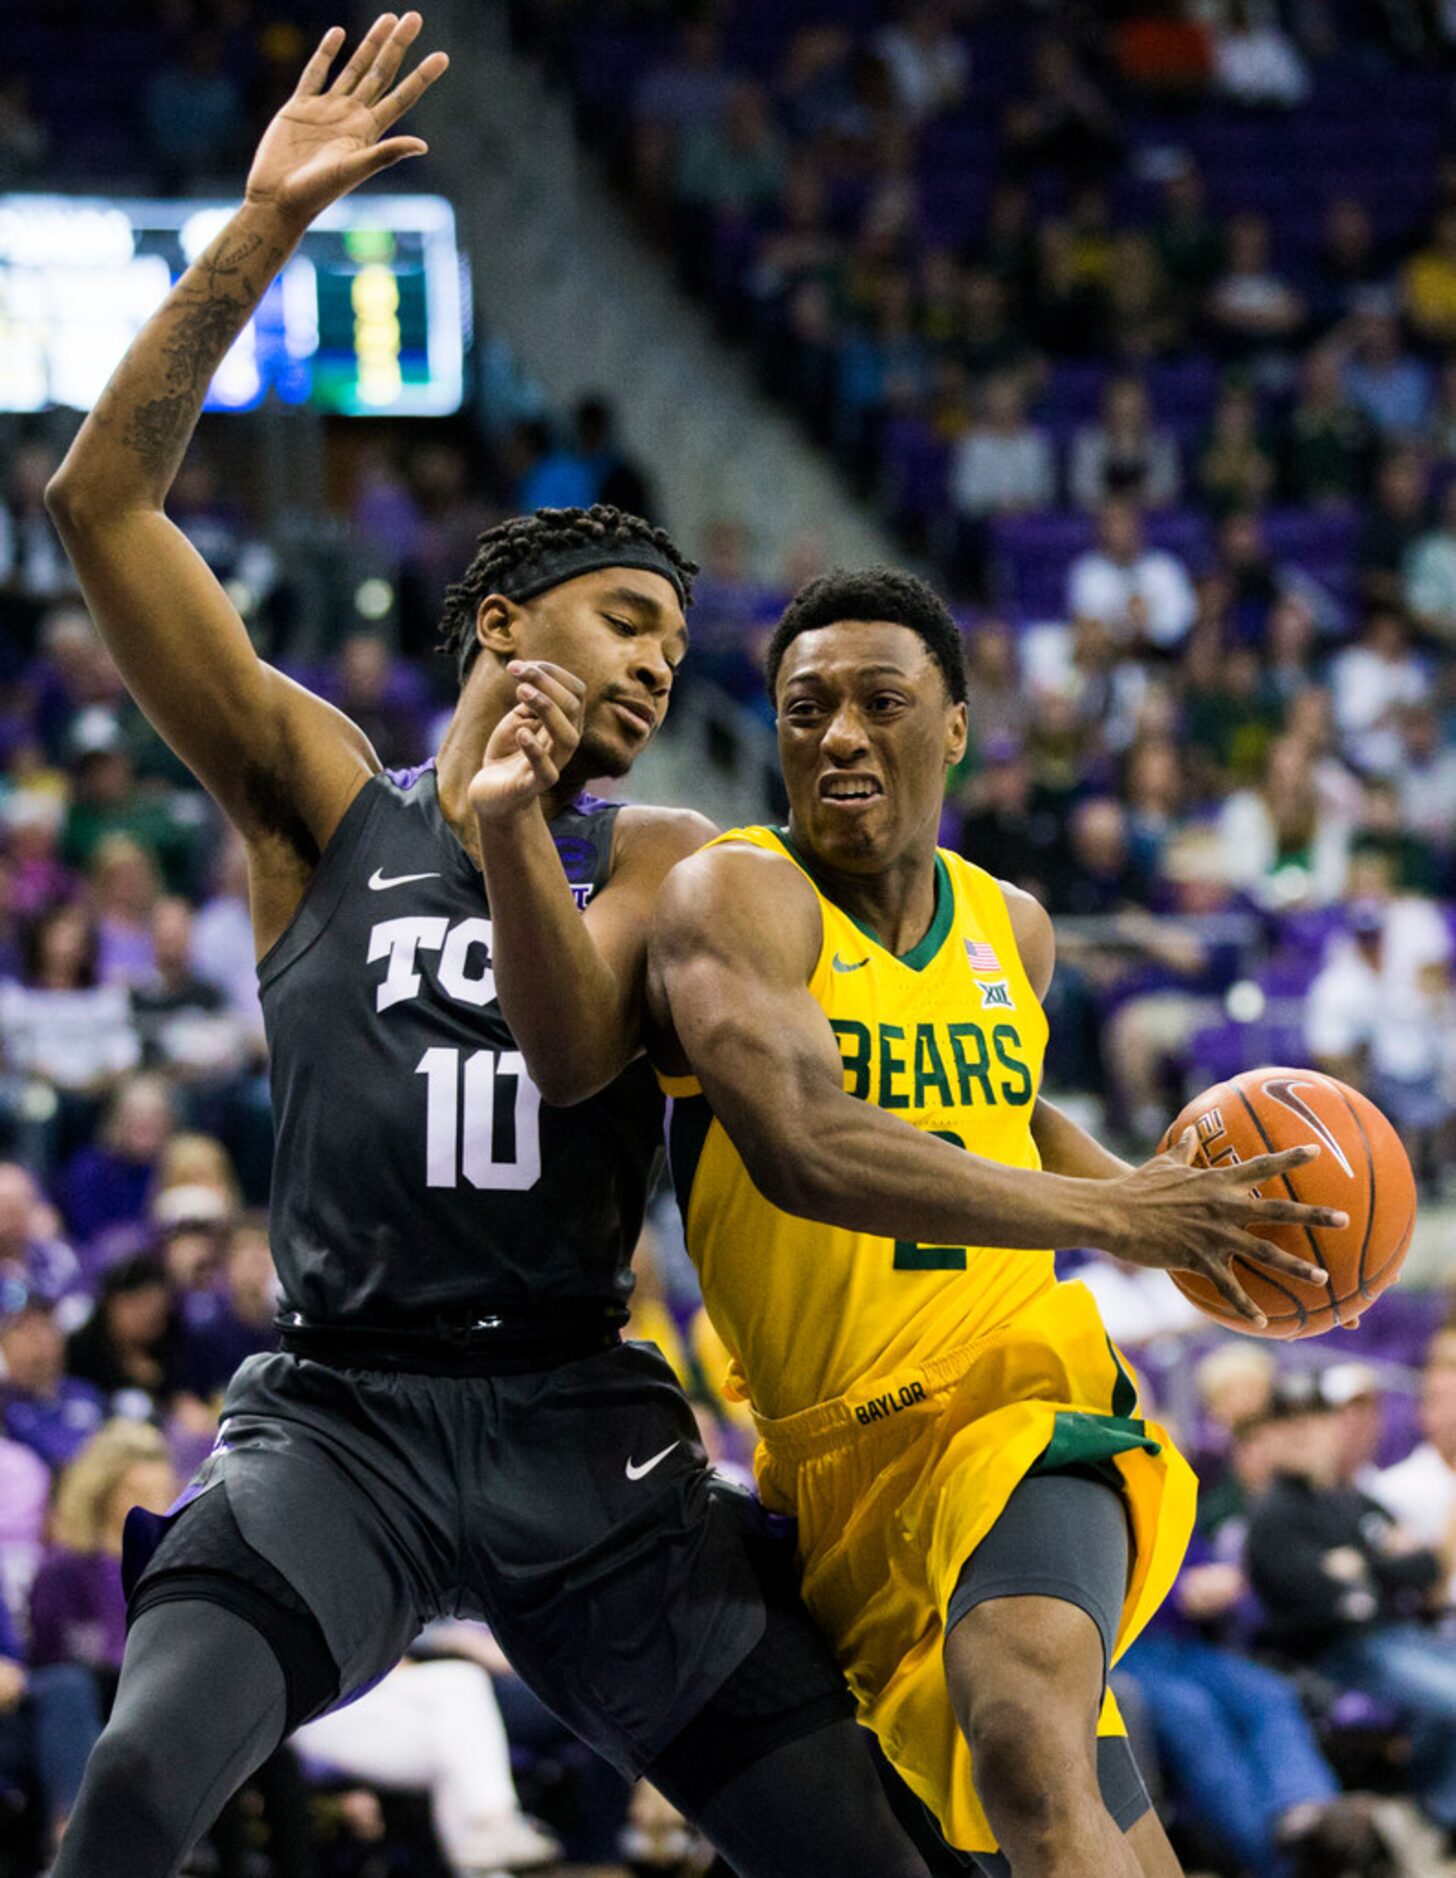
pixel 634 1472
pixel 843 965
pixel 378 880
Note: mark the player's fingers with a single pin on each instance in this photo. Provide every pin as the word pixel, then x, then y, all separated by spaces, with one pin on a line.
pixel 560 721
pixel 1231 1290
pixel 542 679
pixel 364 55
pixel 1295 1213
pixel 1274 1259
pixel 1270 1166
pixel 543 768
pixel 380 156
pixel 523 668
pixel 314 76
pixel 557 732
pixel 409 91
pixel 1185 1147
pixel 380 76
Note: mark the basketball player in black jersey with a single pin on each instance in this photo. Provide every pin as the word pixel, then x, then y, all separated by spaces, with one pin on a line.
pixel 453 1425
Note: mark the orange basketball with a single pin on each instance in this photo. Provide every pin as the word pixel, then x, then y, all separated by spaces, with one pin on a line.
pixel 1362 1169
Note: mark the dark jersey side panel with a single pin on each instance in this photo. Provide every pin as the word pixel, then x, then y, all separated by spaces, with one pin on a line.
pixel 416 1166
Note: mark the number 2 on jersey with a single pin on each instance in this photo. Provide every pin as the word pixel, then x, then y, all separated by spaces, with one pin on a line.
pixel 910 1257
pixel 460 1120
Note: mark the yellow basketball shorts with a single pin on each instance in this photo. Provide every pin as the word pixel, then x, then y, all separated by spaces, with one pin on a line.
pixel 896 1483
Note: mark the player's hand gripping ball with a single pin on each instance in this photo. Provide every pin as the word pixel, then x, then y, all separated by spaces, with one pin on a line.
pixel 1361 1168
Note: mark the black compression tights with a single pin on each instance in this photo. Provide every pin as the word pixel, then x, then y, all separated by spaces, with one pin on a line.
pixel 811 1808
pixel 201 1705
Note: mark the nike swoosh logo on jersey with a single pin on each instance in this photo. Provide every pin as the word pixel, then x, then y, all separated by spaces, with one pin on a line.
pixel 842 965
pixel 379 882
pixel 634 1472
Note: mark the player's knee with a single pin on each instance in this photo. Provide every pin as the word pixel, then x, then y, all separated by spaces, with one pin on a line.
pixel 1030 1726
pixel 1033 1781
pixel 124 1777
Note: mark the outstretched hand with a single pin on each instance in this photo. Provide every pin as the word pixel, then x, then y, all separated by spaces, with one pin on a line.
pixel 533 742
pixel 1176 1216
pixel 325 142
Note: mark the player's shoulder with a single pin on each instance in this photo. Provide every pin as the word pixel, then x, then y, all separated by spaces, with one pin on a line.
pixel 738 884
pixel 648 842
pixel 1035 936
pixel 654 825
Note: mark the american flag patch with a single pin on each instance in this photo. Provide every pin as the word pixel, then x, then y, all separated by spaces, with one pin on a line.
pixel 981 957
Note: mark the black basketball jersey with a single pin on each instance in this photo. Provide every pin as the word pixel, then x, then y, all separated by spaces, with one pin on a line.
pixel 416 1166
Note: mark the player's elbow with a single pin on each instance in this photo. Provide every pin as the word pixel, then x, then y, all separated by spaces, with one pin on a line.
pixel 567 1076
pixel 63 499
pixel 75 503
pixel 79 503
pixel 564 1085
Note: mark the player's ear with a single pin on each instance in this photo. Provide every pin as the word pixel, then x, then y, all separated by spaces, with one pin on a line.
pixel 957 730
pixel 497 625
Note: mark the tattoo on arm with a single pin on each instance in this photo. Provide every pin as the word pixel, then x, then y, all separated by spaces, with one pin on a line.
pixel 207 317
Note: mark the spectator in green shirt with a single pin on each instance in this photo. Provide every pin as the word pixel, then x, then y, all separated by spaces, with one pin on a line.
pixel 106 800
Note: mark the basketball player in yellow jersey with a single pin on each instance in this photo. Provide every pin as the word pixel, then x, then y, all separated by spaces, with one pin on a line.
pixel 849 1022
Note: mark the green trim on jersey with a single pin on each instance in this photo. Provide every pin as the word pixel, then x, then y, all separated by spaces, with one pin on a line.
pixel 1124 1390
pixel 941 921
pixel 1084 1440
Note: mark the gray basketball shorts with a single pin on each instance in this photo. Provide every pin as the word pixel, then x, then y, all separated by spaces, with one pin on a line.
pixel 571 1509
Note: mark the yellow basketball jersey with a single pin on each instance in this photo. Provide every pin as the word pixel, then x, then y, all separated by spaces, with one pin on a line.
pixel 950 1038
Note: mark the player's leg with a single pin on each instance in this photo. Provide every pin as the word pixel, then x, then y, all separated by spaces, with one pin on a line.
pixel 1029 1633
pixel 1025 1676
pixel 202 1702
pixel 1149 1844
pixel 774 1770
pixel 806 1804
pixel 226 1653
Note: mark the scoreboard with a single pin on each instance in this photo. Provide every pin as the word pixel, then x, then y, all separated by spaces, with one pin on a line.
pixel 370 317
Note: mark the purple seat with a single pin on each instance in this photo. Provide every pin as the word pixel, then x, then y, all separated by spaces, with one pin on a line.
pixel 1226 1049
pixel 914 471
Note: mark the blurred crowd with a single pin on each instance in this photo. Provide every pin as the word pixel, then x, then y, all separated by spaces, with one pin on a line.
pixel 1137 319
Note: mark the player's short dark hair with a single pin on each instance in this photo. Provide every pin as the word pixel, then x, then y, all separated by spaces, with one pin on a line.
pixel 873 593
pixel 509 545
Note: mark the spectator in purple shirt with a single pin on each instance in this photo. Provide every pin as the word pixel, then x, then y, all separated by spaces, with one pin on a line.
pixel 31 820
pixel 77 1605
pixel 53 1414
pixel 49 1721
pixel 107 1182
pixel 221 1329
pixel 32 1252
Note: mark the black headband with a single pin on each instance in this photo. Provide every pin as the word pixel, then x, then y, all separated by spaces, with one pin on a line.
pixel 556 565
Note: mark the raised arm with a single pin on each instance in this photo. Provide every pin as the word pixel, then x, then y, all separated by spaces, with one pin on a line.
pixel 281 763
pixel 735 937
pixel 569 983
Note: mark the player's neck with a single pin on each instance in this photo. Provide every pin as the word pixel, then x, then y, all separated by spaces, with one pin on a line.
pixel 460 756
pixel 897 905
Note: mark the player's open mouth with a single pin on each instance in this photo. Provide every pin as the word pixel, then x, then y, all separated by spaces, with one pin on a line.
pixel 849 791
pixel 640 716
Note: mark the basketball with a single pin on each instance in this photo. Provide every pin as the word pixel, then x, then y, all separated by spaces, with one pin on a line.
pixel 1362 1169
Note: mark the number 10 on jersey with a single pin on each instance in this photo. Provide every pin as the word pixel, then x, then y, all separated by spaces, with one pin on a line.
pixel 461 1132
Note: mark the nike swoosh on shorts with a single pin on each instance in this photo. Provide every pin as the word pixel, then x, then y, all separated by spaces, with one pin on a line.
pixel 634 1472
